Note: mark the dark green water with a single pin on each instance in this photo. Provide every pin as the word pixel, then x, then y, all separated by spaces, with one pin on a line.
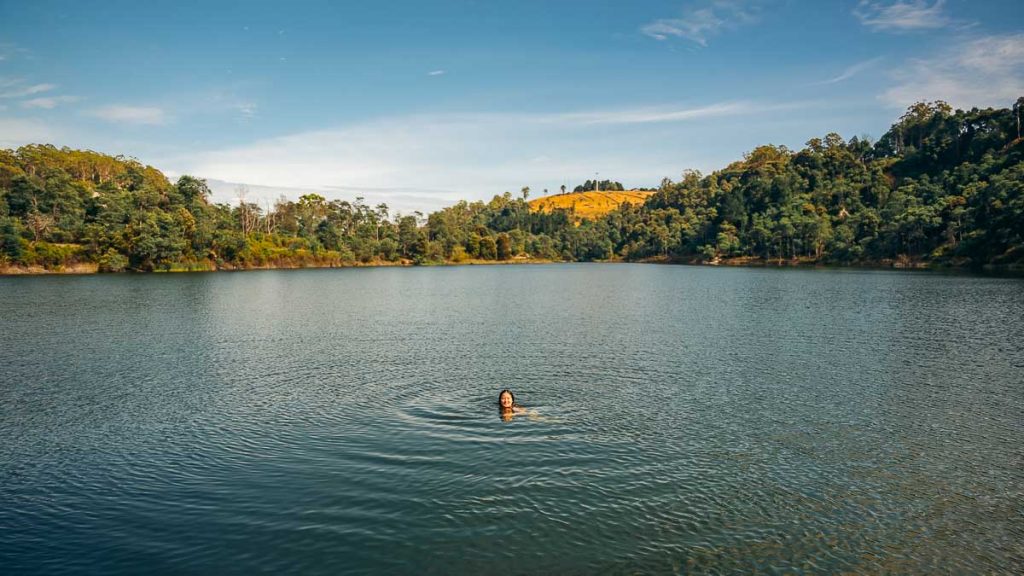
pixel 343 421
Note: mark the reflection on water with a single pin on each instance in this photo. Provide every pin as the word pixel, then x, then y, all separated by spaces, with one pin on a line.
pixel 684 420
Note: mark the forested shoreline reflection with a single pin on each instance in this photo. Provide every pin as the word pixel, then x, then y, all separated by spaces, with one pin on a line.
pixel 941 187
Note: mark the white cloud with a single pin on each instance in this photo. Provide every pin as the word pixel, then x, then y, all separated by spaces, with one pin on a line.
pixel 993 55
pixel 902 15
pixel 145 115
pixel 8 51
pixel 698 24
pixel 438 158
pixel 17 88
pixel 981 72
pixel 229 101
pixel 436 73
pixel 648 115
pixel 247 109
pixel 48 102
pixel 398 199
pixel 852 71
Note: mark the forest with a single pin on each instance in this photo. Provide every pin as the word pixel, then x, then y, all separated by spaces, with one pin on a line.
pixel 941 187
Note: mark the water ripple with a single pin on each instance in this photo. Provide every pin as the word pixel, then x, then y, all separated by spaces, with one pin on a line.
pixel 681 420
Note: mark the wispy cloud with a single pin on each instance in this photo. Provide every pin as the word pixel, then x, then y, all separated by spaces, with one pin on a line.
pixel 699 24
pixel 982 72
pixel 436 73
pixel 48 102
pixel 903 15
pixel 453 155
pixel 852 71
pixel 247 110
pixel 144 115
pixel 232 103
pixel 236 102
pixel 18 88
pixel 8 51
pixel 398 199
pixel 645 115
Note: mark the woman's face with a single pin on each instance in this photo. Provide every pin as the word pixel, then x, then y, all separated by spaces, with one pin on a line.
pixel 505 400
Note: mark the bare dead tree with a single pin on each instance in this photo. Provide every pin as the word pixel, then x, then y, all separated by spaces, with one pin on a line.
pixel 248 213
pixel 269 218
pixel 37 221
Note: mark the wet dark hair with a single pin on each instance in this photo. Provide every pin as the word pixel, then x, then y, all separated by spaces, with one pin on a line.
pixel 500 394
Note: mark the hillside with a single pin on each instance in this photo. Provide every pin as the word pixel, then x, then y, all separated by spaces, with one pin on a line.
pixel 591 205
pixel 941 187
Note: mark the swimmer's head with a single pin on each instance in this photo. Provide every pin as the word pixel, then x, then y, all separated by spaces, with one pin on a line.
pixel 505 399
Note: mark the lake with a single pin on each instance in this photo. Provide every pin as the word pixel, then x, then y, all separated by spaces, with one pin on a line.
pixel 683 420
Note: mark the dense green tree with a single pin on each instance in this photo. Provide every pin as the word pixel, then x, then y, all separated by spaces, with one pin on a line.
pixel 503 247
pixel 594 185
pixel 10 239
pixel 941 185
pixel 488 248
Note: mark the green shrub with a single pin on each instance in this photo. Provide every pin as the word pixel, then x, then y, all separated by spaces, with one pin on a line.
pixel 113 261
pixel 50 255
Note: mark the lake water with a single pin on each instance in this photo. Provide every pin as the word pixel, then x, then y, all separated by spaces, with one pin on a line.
pixel 685 420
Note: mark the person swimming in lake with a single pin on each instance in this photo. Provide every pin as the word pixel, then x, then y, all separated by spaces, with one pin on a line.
pixel 507 406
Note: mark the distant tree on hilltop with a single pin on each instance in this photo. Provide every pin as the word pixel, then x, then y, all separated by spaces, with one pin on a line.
pixel 603 186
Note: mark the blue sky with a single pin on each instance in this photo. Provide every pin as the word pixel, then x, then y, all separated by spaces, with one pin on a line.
pixel 419 104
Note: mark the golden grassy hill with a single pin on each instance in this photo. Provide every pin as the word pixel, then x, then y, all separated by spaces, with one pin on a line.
pixel 590 205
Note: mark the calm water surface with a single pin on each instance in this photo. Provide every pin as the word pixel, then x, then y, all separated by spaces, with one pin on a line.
pixel 686 420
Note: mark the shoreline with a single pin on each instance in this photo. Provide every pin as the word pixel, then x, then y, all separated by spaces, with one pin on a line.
pixel 87 268
pixel 807 264
pixel 92 268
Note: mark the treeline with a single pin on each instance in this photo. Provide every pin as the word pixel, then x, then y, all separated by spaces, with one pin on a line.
pixel 941 186
pixel 62 207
